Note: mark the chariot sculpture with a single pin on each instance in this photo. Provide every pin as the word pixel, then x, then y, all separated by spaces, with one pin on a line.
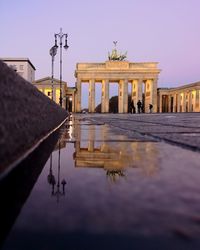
pixel 115 56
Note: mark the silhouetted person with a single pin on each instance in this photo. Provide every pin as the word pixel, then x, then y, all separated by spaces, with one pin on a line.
pixel 139 105
pixel 132 107
pixel 150 108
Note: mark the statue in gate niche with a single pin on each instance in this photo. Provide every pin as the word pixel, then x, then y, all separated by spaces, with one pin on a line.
pixel 115 56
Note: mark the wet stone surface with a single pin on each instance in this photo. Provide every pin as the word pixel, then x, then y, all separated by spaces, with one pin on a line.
pixel 107 185
pixel 180 128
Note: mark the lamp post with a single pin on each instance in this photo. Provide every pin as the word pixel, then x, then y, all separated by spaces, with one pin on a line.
pixel 70 104
pixel 52 52
pixel 60 37
pixel 56 182
pixel 58 192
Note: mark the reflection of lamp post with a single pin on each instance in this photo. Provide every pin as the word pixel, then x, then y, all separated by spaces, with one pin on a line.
pixel 52 181
pixel 50 177
pixel 52 52
pixel 60 36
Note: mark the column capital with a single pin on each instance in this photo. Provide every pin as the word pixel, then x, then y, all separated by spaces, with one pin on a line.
pixel 92 80
pixel 135 80
pixel 105 80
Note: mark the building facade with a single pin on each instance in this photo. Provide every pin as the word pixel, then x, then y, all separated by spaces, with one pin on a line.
pixel 181 99
pixel 51 88
pixel 22 66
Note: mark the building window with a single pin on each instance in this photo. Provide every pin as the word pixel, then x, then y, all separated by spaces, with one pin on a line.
pixel 49 93
pixel 21 67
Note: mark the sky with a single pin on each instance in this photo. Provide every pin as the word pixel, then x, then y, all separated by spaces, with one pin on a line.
pixel 163 31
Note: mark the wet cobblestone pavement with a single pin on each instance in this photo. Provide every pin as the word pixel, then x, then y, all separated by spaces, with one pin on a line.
pixel 114 182
pixel 178 128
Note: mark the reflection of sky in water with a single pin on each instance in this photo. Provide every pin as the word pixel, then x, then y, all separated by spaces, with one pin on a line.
pixel 158 194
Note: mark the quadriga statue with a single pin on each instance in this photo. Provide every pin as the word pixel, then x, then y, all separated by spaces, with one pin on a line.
pixel 115 56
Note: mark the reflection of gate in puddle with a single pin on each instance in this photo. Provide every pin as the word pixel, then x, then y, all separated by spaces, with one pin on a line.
pixel 98 147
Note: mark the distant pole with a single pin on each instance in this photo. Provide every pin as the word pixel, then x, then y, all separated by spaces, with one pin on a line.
pixel 60 36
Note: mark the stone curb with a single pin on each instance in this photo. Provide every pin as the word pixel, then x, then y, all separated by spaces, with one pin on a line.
pixel 26 116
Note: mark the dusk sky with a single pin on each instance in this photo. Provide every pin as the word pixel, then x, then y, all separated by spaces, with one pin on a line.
pixel 164 31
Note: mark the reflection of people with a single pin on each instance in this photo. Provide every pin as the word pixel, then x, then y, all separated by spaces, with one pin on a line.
pixel 132 107
pixel 139 105
pixel 150 108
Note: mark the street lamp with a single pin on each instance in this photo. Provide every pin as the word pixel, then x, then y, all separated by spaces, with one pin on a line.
pixel 70 104
pixel 60 36
pixel 52 52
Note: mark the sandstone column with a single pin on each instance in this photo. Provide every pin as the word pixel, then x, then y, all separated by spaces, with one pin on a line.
pixel 183 103
pixel 198 100
pixel 105 97
pixel 153 93
pixel 169 103
pixel 91 96
pixel 133 91
pixel 120 110
pixel 178 102
pixel 160 103
pixel 174 103
pixel 190 102
pixel 123 96
pixel 78 96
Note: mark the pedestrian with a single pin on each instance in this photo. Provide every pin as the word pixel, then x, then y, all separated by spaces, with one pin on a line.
pixel 139 106
pixel 150 108
pixel 132 107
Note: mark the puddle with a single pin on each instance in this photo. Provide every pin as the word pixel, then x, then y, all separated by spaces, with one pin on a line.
pixel 100 191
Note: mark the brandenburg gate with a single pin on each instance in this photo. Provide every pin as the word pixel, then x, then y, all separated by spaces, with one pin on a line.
pixel 142 77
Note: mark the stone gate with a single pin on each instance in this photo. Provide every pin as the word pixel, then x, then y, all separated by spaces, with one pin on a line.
pixel 142 76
